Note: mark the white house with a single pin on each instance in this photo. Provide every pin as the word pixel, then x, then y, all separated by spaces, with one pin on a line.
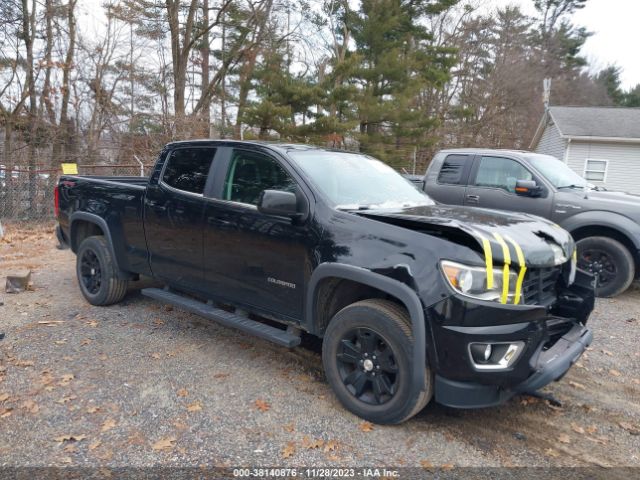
pixel 600 143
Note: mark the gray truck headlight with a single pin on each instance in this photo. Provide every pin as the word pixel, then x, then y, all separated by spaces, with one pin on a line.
pixel 472 281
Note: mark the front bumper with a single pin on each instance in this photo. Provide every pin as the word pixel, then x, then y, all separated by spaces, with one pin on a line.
pixel 550 365
pixel 552 339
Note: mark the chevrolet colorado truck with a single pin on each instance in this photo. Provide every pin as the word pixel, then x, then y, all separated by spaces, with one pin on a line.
pixel 604 224
pixel 412 300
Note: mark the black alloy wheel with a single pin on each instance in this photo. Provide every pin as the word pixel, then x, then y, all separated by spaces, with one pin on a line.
pixel 609 261
pixel 367 366
pixel 90 271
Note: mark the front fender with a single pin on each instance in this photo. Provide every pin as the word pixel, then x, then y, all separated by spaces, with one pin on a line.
pixel 598 218
pixel 389 285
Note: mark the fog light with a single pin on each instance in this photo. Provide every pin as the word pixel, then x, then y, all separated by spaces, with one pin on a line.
pixel 495 356
pixel 481 352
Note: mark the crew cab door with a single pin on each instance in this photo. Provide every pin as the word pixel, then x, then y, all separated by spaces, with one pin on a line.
pixel 251 258
pixel 447 181
pixel 173 210
pixel 492 184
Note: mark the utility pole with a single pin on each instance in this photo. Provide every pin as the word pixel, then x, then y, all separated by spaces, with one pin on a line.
pixel 546 95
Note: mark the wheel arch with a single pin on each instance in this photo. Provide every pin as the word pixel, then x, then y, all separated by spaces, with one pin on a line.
pixel 586 231
pixel 327 276
pixel 84 225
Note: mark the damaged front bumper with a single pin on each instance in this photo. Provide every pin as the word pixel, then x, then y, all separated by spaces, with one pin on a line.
pixel 552 339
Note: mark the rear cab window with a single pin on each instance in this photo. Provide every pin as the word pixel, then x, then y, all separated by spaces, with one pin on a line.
pixel 455 170
pixel 187 169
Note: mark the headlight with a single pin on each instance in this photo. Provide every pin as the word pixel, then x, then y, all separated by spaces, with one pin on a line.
pixel 472 281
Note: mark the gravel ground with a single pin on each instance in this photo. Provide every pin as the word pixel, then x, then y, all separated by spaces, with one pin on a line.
pixel 141 384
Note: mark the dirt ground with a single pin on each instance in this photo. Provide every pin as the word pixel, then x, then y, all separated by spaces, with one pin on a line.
pixel 140 384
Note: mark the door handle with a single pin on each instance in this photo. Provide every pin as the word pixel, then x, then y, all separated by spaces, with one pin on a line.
pixel 473 198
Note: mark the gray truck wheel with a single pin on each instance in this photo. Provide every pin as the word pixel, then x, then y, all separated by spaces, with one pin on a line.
pixel 610 261
pixel 97 273
pixel 367 357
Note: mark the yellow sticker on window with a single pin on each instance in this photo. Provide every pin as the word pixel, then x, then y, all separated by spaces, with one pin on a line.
pixel 70 168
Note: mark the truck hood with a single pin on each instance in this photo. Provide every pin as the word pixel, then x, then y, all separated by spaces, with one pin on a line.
pixel 541 243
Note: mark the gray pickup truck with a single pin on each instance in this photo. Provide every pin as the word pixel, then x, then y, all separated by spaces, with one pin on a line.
pixel 605 224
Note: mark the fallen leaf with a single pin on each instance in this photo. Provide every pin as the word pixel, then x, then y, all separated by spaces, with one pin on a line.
pixel 615 373
pixel 70 438
pixel 221 375
pixel 108 424
pixel 64 400
pixel 183 392
pixel 447 466
pixel 576 385
pixel 3 397
pixel 607 352
pixel 262 405
pixel 564 438
pixel 158 322
pixel 30 406
pixel 5 412
pixel 194 407
pixel 95 445
pixel 289 450
pixel 426 464
pixel 577 429
pixel 312 443
pixel 164 444
pixel 93 409
pixel 51 323
pixel 86 341
pixel 551 452
pixel 330 446
pixel 92 323
pixel 24 363
pixel 71 448
pixel 155 355
pixel 591 429
pixel 289 427
pixel 66 379
pixel 60 342
pixel 366 426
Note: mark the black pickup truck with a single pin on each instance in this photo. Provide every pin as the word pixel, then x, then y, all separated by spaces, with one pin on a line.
pixel 411 300
pixel 604 224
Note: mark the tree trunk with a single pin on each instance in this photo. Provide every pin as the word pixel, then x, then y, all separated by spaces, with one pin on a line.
pixel 204 52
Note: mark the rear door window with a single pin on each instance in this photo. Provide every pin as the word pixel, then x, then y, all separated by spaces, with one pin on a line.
pixel 455 170
pixel 187 169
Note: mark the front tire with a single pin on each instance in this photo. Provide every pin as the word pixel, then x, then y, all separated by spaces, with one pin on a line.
pixel 610 261
pixel 367 358
pixel 97 273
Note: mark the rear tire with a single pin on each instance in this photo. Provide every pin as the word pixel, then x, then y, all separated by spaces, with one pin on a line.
pixel 611 260
pixel 367 353
pixel 97 273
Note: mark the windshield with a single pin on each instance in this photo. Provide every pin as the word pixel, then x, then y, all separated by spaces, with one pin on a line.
pixel 353 181
pixel 557 172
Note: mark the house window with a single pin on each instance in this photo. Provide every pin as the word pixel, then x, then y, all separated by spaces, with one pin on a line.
pixel 596 170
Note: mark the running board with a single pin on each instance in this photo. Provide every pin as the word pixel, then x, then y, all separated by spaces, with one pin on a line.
pixel 267 332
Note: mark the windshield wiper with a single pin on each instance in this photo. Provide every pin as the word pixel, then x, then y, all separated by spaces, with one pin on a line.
pixel 349 208
pixel 573 185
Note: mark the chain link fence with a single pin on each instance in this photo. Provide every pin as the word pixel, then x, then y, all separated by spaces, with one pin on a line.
pixel 27 195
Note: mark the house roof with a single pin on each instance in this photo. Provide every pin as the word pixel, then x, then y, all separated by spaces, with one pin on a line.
pixel 593 123
pixel 612 122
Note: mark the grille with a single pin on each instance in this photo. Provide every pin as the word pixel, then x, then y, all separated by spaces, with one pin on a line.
pixel 539 286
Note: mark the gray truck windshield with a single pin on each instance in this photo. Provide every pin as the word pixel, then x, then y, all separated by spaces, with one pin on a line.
pixel 353 181
pixel 557 172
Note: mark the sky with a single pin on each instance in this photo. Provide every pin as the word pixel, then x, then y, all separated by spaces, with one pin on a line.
pixel 615 25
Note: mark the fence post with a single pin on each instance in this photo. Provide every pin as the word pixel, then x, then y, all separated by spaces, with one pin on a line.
pixel 141 165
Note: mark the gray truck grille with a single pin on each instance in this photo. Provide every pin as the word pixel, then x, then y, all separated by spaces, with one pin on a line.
pixel 539 286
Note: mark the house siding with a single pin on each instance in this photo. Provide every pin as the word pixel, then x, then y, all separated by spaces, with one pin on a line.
pixel 623 169
pixel 551 143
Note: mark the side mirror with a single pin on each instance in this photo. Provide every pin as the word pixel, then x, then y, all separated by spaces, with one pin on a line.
pixel 528 188
pixel 279 203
